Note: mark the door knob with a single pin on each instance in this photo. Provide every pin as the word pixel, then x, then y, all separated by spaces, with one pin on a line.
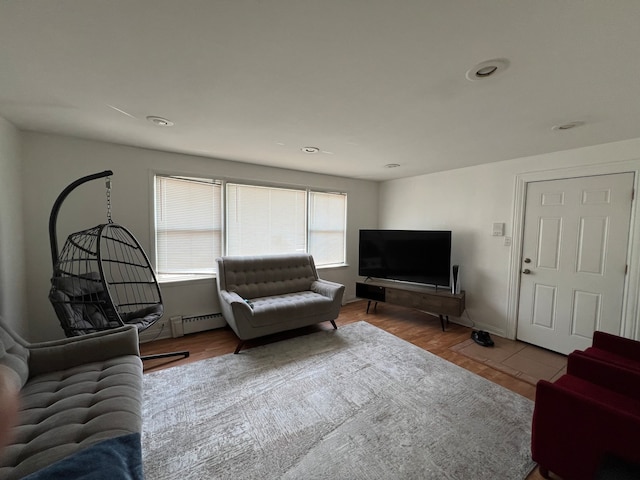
pixel 526 271
pixel 527 260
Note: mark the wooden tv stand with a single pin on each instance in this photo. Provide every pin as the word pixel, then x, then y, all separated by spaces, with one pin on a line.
pixel 438 301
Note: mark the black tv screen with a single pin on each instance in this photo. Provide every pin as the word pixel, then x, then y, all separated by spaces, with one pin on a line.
pixel 418 256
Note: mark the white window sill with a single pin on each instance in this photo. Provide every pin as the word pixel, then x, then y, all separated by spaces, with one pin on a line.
pixel 335 265
pixel 178 279
pixel 168 280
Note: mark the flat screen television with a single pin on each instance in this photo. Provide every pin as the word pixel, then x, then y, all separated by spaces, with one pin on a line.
pixel 417 256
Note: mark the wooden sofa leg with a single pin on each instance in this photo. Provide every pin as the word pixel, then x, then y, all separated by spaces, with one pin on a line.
pixel 240 345
pixel 333 322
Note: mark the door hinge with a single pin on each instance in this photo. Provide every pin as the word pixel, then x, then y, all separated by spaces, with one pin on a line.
pixel 626 269
pixel 633 193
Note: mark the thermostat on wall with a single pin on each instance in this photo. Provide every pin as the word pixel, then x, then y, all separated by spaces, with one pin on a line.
pixel 498 230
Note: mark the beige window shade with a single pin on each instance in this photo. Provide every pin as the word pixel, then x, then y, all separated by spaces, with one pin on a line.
pixel 327 225
pixel 265 220
pixel 259 220
pixel 188 225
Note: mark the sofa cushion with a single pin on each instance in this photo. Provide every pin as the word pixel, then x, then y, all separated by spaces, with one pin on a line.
pixel 255 276
pixel 599 394
pixel 613 358
pixel 14 355
pixel 66 411
pixel 272 310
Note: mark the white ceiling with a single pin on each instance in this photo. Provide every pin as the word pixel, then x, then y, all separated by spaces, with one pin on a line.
pixel 369 82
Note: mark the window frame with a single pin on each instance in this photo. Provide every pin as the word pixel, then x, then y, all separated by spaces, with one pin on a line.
pixel 226 194
pixel 181 276
pixel 344 225
pixel 224 212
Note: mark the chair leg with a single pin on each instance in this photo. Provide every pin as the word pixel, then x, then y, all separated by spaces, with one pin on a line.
pixel 240 345
pixel 184 354
pixel 333 322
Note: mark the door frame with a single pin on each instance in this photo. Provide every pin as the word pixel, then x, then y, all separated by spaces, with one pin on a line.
pixel 630 327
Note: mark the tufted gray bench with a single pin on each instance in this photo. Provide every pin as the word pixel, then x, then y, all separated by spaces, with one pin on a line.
pixel 261 295
pixel 75 393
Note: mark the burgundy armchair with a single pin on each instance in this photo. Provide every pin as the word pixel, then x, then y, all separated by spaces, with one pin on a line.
pixel 586 416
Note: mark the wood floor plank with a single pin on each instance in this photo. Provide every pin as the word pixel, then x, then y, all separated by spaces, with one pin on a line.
pixel 419 328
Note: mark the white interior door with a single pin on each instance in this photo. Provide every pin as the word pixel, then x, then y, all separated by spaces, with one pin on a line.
pixel 574 256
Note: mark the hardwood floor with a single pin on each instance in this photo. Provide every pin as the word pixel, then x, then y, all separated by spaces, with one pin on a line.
pixel 413 326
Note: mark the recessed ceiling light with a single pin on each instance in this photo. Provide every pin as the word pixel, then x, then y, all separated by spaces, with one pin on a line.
pixel 310 149
pixel 567 126
pixel 392 165
pixel 487 69
pixel 159 121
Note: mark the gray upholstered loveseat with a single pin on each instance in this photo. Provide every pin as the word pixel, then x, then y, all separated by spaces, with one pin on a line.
pixel 81 404
pixel 261 295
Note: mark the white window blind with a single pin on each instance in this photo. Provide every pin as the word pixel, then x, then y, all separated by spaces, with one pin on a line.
pixel 327 225
pixel 188 226
pixel 265 220
pixel 259 220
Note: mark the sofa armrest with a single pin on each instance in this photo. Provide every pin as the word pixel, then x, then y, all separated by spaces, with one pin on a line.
pixel 233 305
pixel 63 354
pixel 234 300
pixel 236 312
pixel 328 289
pixel 624 347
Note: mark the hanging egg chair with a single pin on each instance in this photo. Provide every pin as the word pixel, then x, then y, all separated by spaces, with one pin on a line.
pixel 102 278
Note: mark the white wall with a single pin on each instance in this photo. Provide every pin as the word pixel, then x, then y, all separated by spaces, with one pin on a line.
pixel 12 267
pixel 51 162
pixel 467 201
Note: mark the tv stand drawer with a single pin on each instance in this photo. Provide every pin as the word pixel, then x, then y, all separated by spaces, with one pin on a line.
pixel 370 292
pixel 421 297
pixel 429 302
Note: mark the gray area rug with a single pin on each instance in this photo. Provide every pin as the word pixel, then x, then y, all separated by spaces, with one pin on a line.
pixel 352 403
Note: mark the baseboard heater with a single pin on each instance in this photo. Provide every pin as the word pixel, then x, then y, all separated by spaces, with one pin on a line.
pixel 181 325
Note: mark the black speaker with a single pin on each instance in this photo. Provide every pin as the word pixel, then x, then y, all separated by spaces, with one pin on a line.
pixel 455 279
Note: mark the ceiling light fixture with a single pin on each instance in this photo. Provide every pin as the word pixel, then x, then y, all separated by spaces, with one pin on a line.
pixel 567 126
pixel 487 69
pixel 159 121
pixel 392 165
pixel 310 149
